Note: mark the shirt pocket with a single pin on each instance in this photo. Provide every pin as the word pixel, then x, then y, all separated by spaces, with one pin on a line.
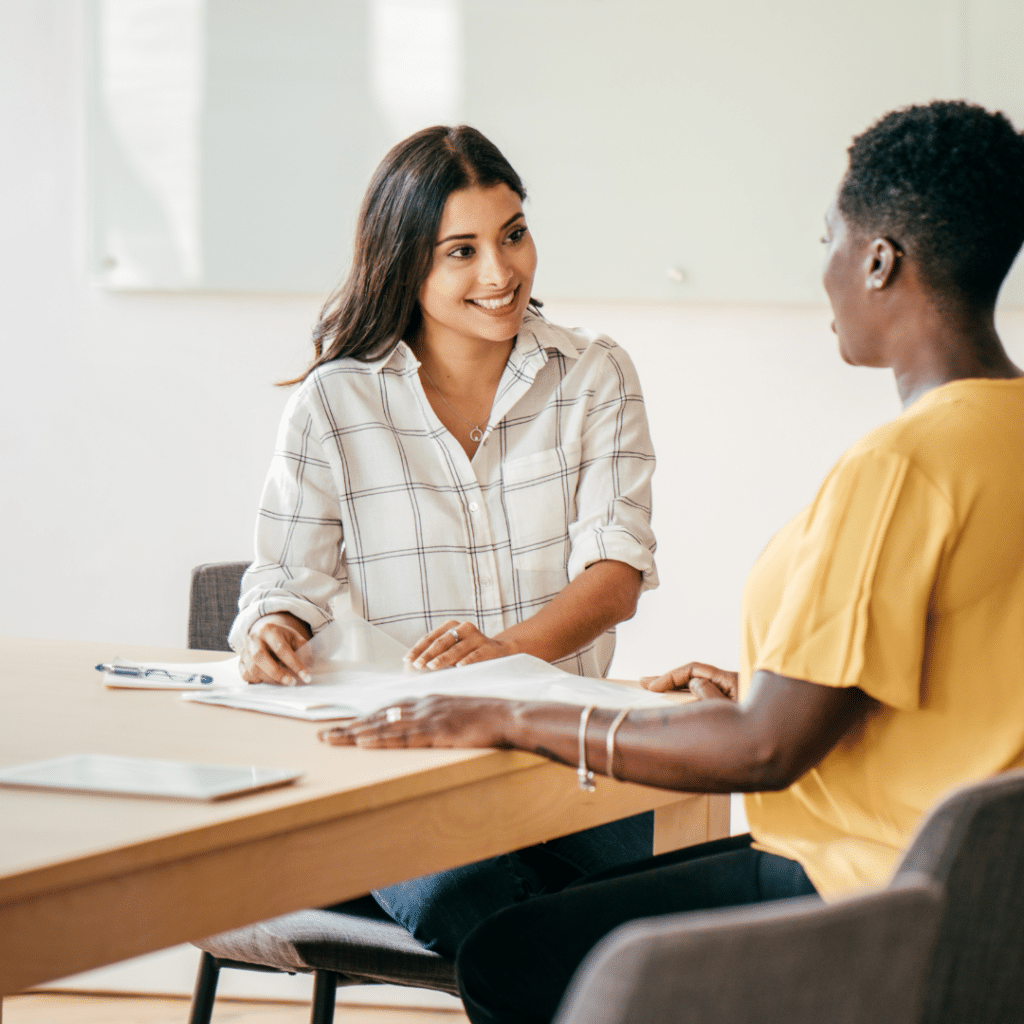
pixel 539 497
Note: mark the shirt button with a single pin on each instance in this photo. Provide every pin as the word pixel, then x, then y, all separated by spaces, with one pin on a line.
pixel 473 507
pixel 485 580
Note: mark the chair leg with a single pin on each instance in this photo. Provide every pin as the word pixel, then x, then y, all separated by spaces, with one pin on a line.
pixel 205 991
pixel 325 985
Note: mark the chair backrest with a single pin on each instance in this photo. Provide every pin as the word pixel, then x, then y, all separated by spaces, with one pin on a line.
pixel 972 844
pixel 213 604
pixel 789 962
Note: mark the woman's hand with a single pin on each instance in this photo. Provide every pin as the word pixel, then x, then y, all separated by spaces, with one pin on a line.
pixel 705 682
pixel 429 722
pixel 457 643
pixel 269 653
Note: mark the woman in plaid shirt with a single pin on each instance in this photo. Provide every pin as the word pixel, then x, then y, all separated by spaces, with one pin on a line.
pixel 476 479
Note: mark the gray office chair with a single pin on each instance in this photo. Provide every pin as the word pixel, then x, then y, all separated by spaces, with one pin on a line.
pixel 943 943
pixel 791 962
pixel 353 943
pixel 973 845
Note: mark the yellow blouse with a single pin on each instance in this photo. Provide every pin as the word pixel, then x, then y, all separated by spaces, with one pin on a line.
pixel 904 577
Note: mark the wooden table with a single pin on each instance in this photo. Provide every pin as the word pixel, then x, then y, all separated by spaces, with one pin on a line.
pixel 87 881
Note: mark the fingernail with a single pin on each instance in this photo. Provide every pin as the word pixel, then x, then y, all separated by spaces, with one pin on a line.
pixel 290 681
pixel 407 658
pixel 306 677
pixel 418 663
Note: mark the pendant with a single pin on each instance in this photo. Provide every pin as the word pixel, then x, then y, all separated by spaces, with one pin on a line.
pixel 476 435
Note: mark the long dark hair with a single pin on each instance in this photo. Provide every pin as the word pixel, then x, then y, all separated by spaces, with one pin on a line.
pixel 377 305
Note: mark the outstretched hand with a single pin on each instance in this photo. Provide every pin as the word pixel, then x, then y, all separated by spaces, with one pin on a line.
pixel 705 682
pixel 435 721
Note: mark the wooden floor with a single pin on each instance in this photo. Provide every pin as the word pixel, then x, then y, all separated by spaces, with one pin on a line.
pixel 66 1008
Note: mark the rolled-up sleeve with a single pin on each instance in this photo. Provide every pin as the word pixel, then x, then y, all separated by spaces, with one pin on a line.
pixel 299 565
pixel 613 497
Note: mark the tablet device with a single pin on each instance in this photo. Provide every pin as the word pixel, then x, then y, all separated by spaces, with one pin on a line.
pixel 143 776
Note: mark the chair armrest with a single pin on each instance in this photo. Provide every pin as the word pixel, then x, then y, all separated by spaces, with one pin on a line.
pixel 791 962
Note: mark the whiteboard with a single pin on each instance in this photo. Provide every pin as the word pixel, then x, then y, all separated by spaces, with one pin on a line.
pixel 672 150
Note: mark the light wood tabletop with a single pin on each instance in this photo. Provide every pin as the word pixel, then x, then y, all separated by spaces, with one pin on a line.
pixel 89 880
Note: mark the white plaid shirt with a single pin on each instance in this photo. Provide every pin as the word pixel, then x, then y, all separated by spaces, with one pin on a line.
pixel 368 492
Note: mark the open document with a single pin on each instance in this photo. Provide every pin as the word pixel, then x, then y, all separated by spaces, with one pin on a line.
pixel 357 668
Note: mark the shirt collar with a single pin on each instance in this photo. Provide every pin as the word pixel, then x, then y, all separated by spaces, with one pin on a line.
pixel 400 358
pixel 537 334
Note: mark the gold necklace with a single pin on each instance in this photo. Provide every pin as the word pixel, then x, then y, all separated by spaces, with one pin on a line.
pixel 476 434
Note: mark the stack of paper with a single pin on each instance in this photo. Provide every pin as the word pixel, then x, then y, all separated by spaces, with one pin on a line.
pixel 358 668
pixel 349 692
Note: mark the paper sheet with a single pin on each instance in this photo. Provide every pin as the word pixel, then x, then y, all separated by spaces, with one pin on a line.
pixel 358 668
pixel 346 692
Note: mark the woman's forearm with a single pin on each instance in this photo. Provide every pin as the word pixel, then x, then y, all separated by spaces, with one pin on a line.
pixel 699 748
pixel 602 596
pixel 715 746
pixel 783 728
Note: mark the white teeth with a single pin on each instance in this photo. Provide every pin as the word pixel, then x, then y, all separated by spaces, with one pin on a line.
pixel 494 303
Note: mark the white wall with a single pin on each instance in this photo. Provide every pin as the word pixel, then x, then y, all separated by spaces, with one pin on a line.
pixel 137 428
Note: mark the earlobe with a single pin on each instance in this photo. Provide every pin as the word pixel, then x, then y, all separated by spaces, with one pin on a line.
pixel 882 263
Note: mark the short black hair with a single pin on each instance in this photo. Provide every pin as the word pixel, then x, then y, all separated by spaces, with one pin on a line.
pixel 945 182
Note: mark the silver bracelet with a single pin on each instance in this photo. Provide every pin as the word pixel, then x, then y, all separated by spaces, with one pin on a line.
pixel 584 776
pixel 609 742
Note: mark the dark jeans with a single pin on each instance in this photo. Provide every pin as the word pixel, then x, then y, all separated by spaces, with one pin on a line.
pixel 440 910
pixel 516 966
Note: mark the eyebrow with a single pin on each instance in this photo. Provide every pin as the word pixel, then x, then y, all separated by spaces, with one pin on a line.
pixel 456 238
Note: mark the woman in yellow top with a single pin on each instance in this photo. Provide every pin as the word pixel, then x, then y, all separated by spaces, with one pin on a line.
pixel 884 626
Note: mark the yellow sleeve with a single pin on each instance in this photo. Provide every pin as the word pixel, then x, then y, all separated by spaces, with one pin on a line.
pixel 854 610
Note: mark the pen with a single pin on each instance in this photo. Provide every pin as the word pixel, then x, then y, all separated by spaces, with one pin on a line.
pixel 145 673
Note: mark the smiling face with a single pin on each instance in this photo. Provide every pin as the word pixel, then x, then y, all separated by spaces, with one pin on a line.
pixel 482 269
